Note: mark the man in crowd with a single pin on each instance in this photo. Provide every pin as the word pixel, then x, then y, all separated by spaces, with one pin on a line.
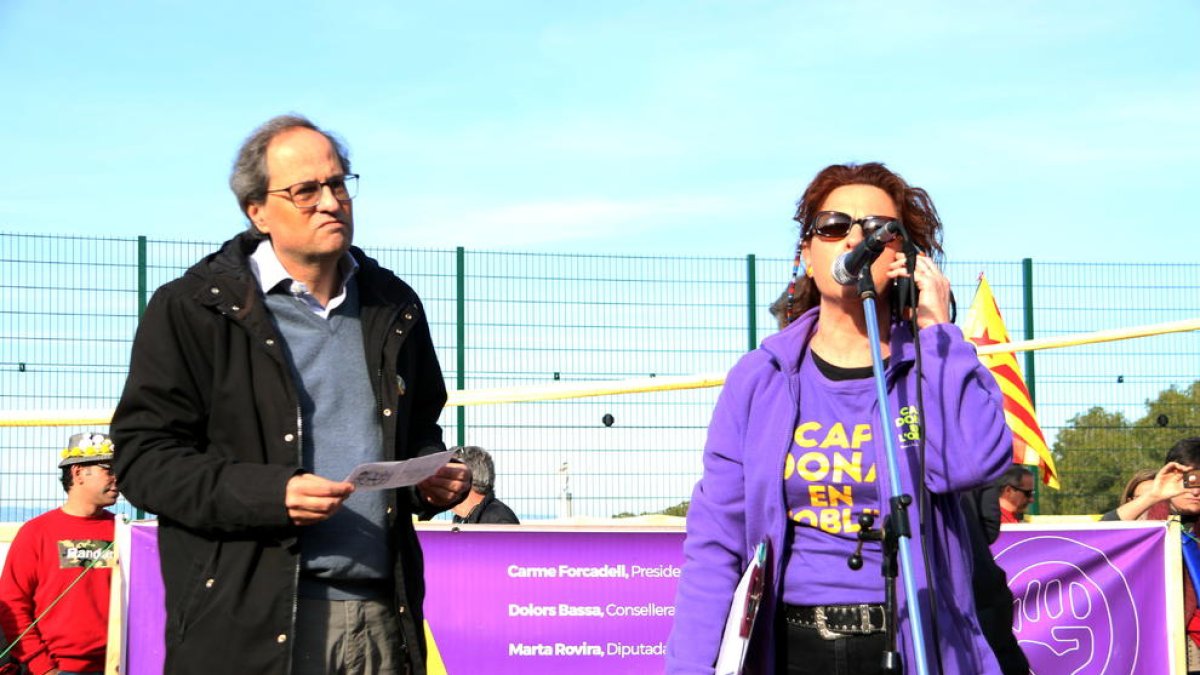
pixel 1016 493
pixel 481 505
pixel 54 591
pixel 258 380
pixel 989 583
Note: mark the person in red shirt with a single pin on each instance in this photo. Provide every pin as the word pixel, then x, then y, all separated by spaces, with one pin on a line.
pixel 54 590
pixel 1016 493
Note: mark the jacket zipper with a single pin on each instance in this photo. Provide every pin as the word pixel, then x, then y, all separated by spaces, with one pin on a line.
pixel 296 569
pixel 379 374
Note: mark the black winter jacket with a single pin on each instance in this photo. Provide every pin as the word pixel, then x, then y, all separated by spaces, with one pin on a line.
pixel 208 432
pixel 490 511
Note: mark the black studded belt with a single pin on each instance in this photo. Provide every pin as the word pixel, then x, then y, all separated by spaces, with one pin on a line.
pixel 836 621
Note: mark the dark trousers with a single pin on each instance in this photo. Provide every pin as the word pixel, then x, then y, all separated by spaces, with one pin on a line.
pixel 802 651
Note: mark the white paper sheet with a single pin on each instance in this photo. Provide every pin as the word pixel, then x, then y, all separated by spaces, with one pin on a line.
pixel 386 475
pixel 739 625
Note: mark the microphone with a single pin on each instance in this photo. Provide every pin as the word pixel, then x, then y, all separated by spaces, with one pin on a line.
pixel 849 265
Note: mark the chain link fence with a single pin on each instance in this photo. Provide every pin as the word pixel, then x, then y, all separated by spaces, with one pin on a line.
pixel 71 305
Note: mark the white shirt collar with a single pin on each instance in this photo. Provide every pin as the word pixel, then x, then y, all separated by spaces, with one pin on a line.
pixel 269 271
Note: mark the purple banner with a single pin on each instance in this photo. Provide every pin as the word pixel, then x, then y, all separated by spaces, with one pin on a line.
pixel 551 602
pixel 144 614
pixel 1090 601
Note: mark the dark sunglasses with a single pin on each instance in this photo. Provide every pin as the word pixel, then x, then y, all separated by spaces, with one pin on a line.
pixel 836 225
pixel 1028 493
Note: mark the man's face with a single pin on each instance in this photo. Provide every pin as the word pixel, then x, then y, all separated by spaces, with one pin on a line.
pixel 1021 497
pixel 310 235
pixel 96 483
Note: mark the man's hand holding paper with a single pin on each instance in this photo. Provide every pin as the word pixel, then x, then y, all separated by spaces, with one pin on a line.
pixel 310 498
pixel 446 487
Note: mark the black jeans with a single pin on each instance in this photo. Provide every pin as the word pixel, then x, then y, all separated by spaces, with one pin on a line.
pixel 802 651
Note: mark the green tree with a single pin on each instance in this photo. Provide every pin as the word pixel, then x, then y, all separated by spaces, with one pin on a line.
pixel 1097 451
pixel 679 509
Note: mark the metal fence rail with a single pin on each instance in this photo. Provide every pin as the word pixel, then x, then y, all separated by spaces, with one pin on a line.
pixel 70 307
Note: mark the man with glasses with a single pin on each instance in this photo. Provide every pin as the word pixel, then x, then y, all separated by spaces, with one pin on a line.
pixel 54 591
pixel 1016 493
pixel 258 381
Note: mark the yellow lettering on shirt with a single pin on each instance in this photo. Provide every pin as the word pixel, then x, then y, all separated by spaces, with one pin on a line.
pixel 862 434
pixel 805 517
pixel 831 521
pixel 843 495
pixel 816 473
pixel 843 467
pixel 816 495
pixel 836 437
pixel 802 439
pixel 849 524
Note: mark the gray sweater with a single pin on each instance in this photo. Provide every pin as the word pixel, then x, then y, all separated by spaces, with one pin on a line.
pixel 344 557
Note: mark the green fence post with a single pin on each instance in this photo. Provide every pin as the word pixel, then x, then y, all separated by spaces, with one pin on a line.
pixel 751 302
pixel 1027 285
pixel 460 340
pixel 142 292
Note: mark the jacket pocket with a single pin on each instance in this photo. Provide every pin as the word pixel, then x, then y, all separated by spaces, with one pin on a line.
pixel 199 586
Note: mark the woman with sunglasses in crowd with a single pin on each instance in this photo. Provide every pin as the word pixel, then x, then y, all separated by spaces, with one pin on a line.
pixel 795 455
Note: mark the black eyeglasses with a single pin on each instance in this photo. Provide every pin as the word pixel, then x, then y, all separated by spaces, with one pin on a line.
pixel 1028 493
pixel 836 225
pixel 308 194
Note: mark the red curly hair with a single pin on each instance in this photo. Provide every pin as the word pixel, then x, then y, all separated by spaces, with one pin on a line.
pixel 916 210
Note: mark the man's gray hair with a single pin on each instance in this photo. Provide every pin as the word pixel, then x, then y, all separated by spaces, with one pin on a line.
pixel 483 471
pixel 249 178
pixel 1013 476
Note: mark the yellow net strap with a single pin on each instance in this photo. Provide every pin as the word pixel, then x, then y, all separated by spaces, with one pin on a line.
pixel 564 390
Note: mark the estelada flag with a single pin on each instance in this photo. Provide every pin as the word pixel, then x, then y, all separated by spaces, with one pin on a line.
pixel 986 327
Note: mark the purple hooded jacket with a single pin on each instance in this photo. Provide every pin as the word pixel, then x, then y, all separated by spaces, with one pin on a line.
pixel 739 501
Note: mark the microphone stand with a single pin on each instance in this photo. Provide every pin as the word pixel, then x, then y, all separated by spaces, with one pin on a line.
pixel 888 536
pixel 897 533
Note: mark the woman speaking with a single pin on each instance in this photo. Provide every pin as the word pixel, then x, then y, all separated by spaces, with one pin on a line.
pixel 795 455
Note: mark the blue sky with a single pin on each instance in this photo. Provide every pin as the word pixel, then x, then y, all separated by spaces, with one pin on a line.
pixel 1058 131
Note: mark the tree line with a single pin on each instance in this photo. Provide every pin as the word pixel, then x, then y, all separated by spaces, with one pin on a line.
pixel 1098 451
